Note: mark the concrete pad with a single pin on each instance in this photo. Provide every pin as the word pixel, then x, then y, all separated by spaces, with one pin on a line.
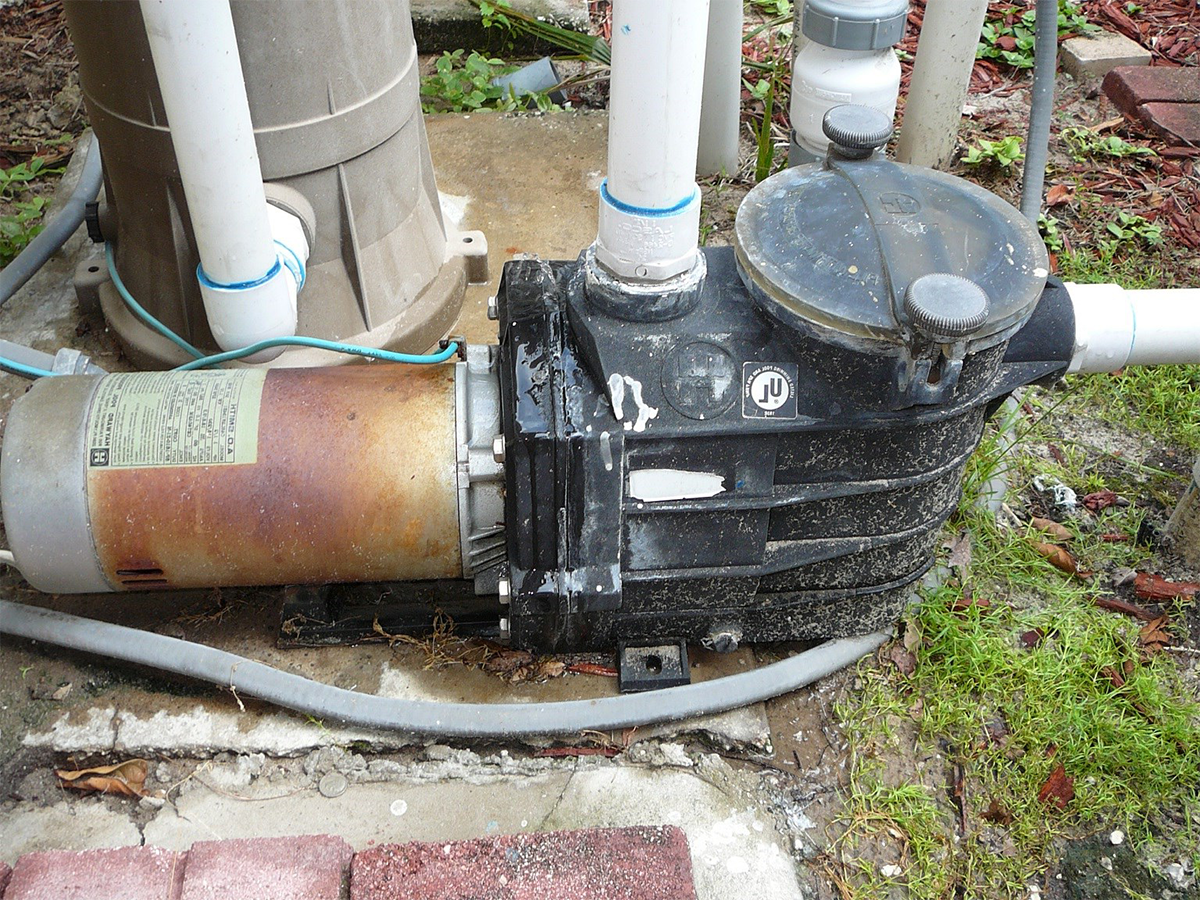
pixel 128 873
pixel 74 824
pixel 450 24
pixel 1094 57
pixel 589 864
pixel 531 184
pixel 312 867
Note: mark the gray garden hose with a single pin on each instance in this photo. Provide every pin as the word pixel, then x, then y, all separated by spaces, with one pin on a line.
pixel 1037 145
pixel 465 720
pixel 58 230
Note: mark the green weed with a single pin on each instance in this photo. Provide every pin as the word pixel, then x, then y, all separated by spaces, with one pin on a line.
pixel 464 83
pixel 1002 153
pixel 24 222
pixel 1010 39
pixel 1083 142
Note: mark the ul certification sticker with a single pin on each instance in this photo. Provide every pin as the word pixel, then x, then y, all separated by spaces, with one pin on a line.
pixel 768 390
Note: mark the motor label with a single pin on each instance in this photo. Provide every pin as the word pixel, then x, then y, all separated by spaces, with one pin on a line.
pixel 181 419
pixel 769 390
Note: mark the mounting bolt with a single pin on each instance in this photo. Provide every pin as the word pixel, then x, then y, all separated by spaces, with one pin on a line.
pixel 498 448
pixel 493 308
pixel 504 626
pixel 504 588
pixel 723 639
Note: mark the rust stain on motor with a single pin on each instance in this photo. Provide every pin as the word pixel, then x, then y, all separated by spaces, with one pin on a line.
pixel 355 480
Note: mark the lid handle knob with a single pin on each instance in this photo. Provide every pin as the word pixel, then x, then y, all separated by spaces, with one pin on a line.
pixel 945 308
pixel 857 131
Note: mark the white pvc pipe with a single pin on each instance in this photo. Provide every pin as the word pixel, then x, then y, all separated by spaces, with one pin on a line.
pixel 721 107
pixel 1115 328
pixel 248 294
pixel 649 204
pixel 940 80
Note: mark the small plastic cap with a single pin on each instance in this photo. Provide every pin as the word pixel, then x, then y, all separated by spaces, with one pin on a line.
pixel 855 24
pixel 857 131
pixel 944 307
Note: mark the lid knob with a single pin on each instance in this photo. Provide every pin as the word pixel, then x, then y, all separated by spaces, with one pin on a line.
pixel 857 131
pixel 945 307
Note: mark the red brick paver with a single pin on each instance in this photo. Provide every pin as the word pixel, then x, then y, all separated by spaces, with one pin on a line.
pixel 313 867
pixel 127 873
pixel 591 864
pixel 1164 99
pixel 5 871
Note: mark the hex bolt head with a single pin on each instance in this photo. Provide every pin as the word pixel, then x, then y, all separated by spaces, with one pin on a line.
pixel 498 448
pixel 493 308
pixel 504 588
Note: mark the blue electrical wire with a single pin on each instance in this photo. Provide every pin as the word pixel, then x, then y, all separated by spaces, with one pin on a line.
pixel 300 341
pixel 137 309
pixel 201 361
pixel 22 369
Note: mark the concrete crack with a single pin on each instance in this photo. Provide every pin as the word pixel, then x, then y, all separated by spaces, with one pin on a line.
pixel 558 802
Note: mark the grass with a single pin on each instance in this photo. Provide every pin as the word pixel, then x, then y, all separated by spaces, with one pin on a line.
pixel 1004 714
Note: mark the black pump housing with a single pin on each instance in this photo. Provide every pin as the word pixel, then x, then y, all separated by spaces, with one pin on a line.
pixel 760 467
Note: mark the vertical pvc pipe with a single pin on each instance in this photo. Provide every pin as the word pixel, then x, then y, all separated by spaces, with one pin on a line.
pixel 940 80
pixel 649 204
pixel 248 294
pixel 721 106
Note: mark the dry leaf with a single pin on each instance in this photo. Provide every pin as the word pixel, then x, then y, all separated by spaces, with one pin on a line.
pixel 960 552
pixel 1058 195
pixel 903 659
pixel 1154 587
pixel 962 604
pixel 1060 558
pixel 508 663
pixel 1101 500
pixel 128 778
pixel 1115 676
pixel 1112 604
pixel 1059 788
pixel 1031 639
pixel 997 814
pixel 1154 635
pixel 585 668
pixel 1056 530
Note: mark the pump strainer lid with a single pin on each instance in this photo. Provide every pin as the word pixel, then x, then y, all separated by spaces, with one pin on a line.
pixel 838 245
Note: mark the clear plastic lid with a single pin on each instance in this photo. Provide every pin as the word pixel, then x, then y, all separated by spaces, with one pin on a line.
pixel 838 244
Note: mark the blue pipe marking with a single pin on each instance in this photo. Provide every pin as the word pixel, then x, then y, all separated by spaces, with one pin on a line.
pixel 241 285
pixel 647 211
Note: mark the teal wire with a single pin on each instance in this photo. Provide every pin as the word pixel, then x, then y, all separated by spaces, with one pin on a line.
pixel 201 361
pixel 22 369
pixel 137 309
pixel 318 343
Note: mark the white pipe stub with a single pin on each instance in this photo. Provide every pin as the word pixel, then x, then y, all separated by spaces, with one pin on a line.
pixel 1115 327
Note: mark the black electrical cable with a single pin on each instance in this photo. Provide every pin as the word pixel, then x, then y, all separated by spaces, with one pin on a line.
pixel 470 720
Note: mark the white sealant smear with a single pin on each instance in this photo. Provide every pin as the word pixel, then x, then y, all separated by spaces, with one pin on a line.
pixel 660 485
pixel 616 392
pixel 398 807
pixel 454 208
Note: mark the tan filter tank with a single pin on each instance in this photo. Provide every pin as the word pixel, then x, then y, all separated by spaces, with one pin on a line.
pixel 152 480
pixel 334 98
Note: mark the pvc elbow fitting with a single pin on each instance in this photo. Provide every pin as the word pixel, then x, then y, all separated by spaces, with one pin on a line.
pixel 240 315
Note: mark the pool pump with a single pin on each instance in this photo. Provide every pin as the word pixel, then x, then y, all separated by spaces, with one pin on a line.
pixel 761 448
